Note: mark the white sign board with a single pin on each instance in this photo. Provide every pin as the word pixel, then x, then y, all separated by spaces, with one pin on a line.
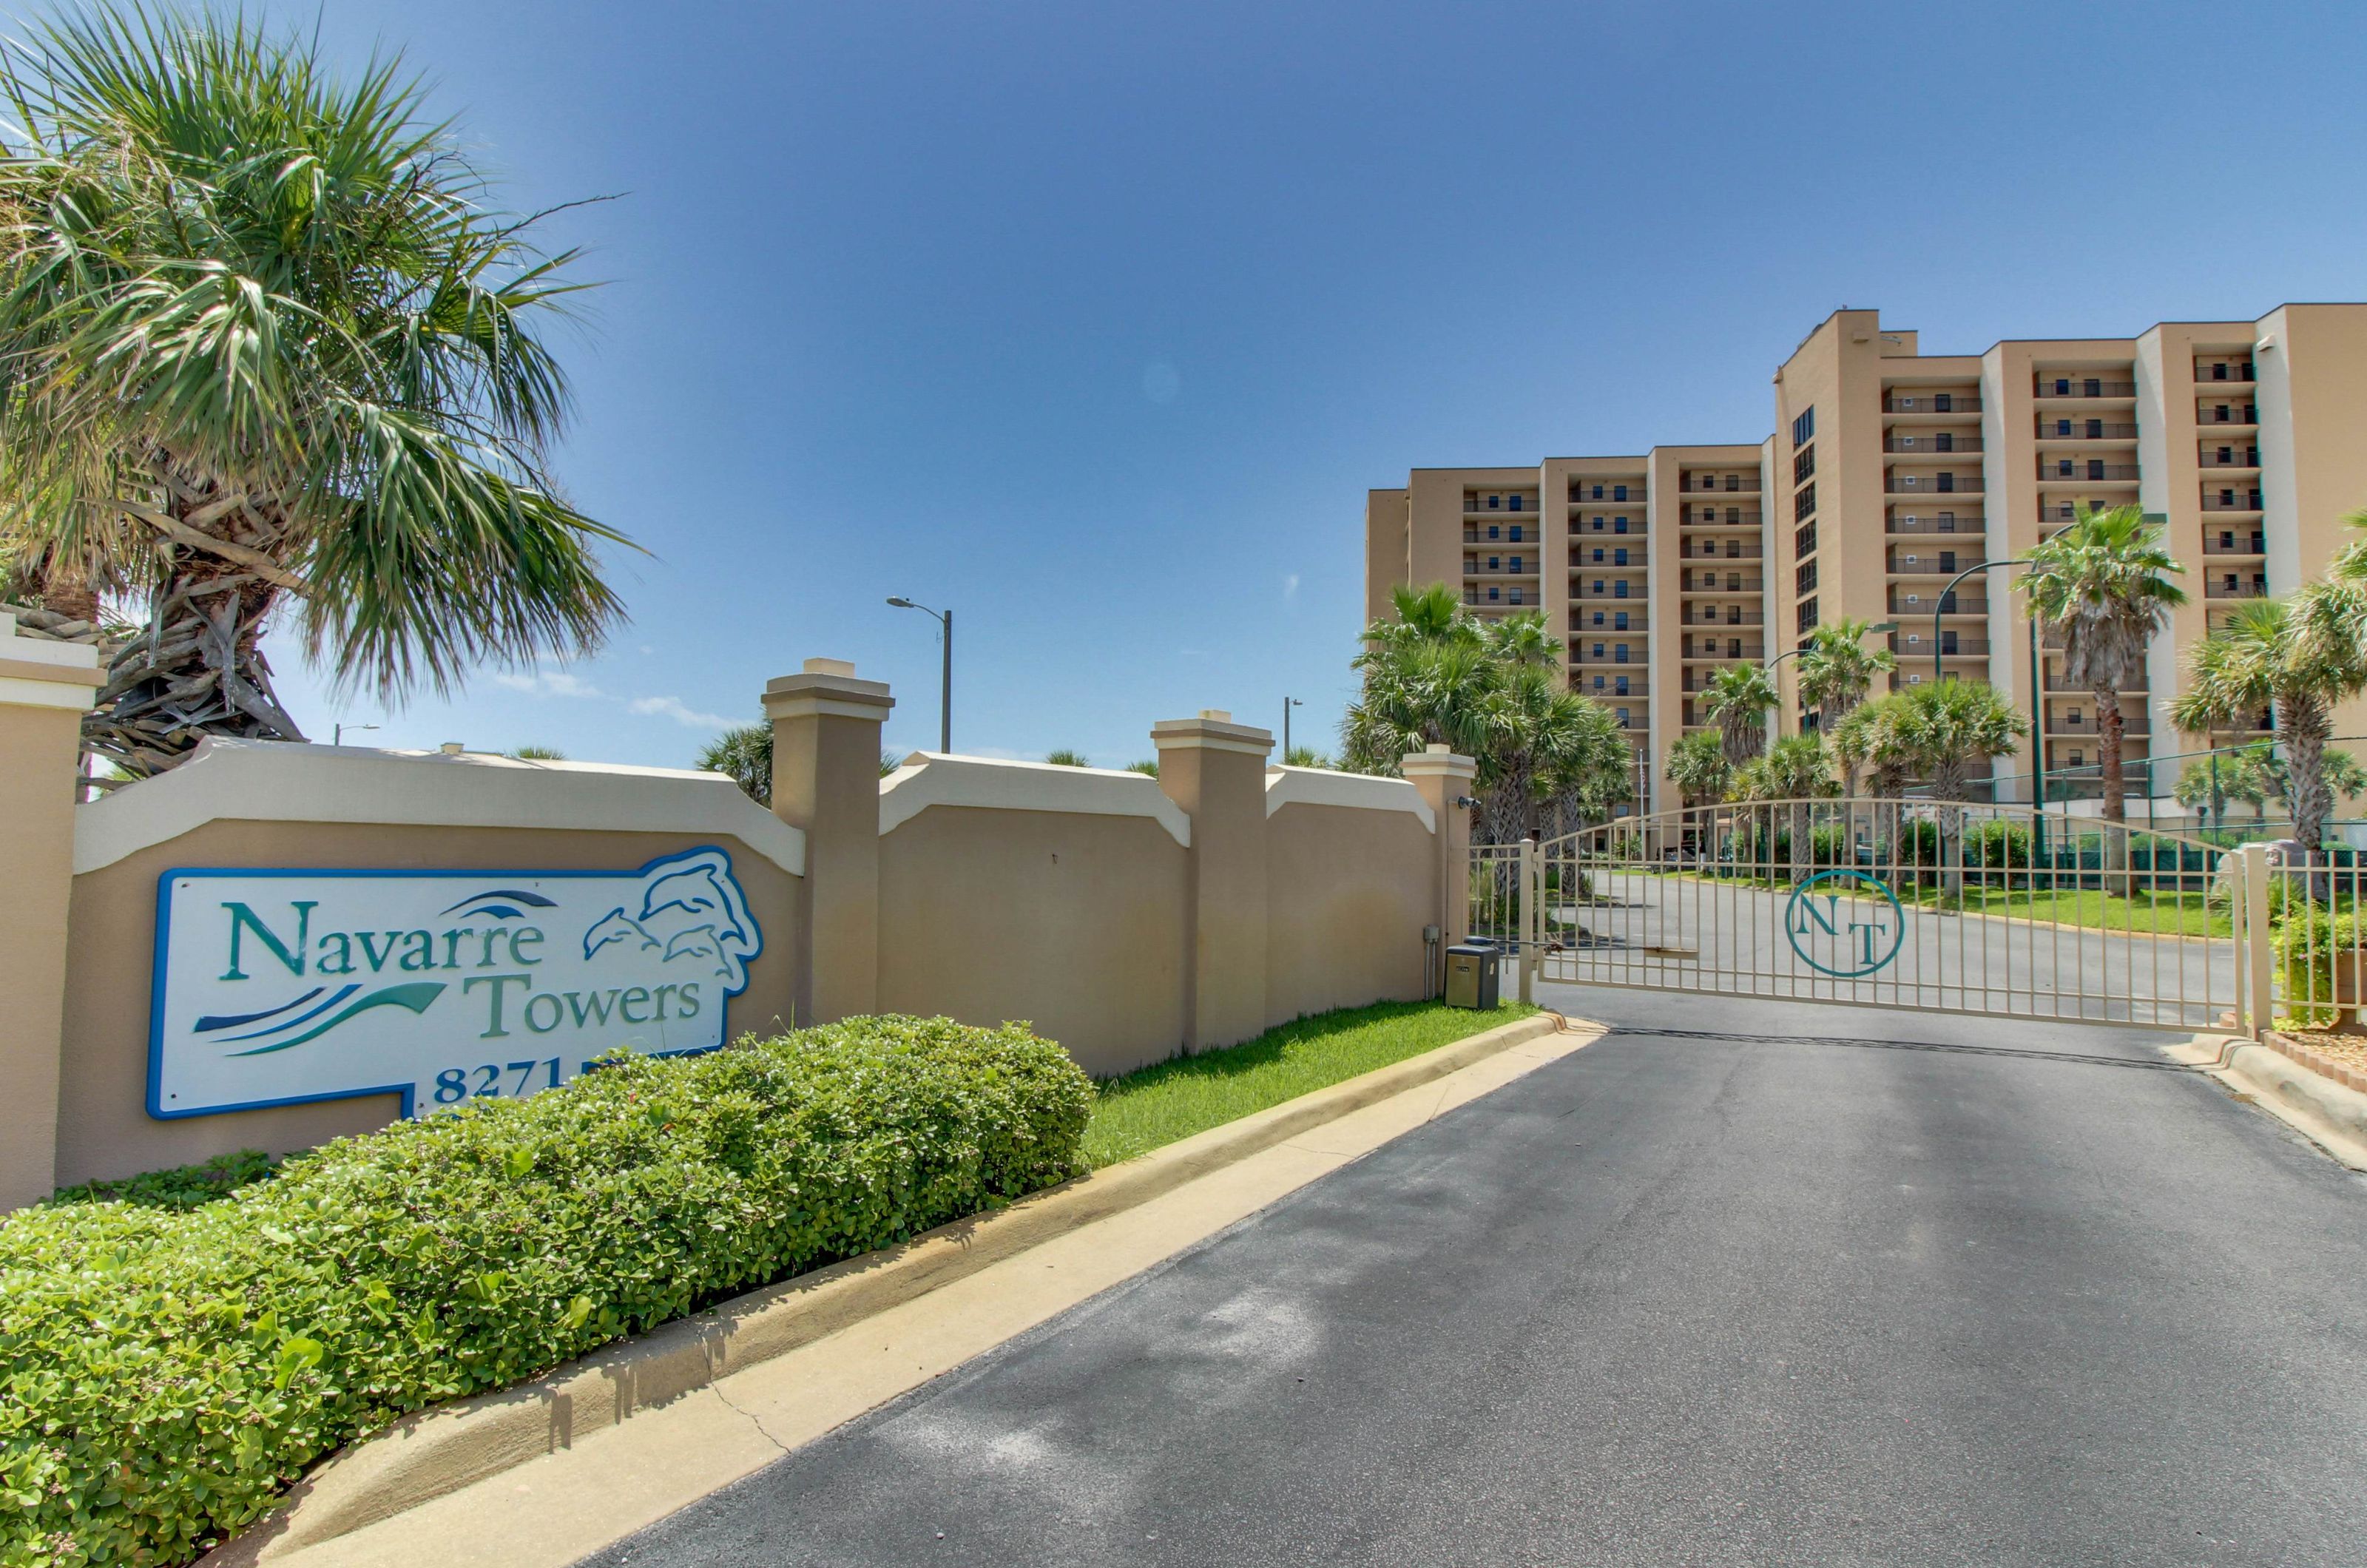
pixel 274 987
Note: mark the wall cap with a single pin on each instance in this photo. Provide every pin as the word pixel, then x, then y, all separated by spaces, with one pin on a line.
pixel 1438 760
pixel 41 673
pixel 827 687
pixel 1364 791
pixel 937 778
pixel 294 782
pixel 1210 734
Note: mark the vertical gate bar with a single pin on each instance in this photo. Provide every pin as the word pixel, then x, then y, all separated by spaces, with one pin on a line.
pixel 1525 914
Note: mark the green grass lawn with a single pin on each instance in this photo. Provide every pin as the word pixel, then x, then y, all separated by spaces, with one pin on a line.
pixel 1176 1098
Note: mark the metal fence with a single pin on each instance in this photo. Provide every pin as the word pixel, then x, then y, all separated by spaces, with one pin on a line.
pixel 1935 906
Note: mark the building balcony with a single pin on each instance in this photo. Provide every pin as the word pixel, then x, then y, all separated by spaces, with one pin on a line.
pixel 1609 691
pixel 2256 588
pixel 2232 501
pixel 1513 599
pixel 1930 403
pixel 1718 484
pixel 2237 459
pixel 2252 544
pixel 1498 513
pixel 1710 582
pixel 1694 616
pixel 1611 623
pixel 1708 550
pixel 1896 483
pixel 2081 387
pixel 1481 568
pixel 2070 470
pixel 2133 726
pixel 1939 445
pixel 1931 563
pixel 1918 672
pixel 2227 415
pixel 2221 369
pixel 1609 593
pixel 2085 429
pixel 1519 534
pixel 1911 646
pixel 1719 517
pixel 1630 493
pixel 1918 523
pixel 1938 603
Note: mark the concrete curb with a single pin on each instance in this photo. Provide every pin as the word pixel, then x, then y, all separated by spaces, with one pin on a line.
pixel 437 1451
pixel 2329 1114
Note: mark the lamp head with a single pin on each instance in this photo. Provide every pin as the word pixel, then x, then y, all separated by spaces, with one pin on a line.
pixel 903 604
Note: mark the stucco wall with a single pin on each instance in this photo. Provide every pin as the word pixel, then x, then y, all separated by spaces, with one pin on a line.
pixel 1074 921
pixel 104 1130
pixel 1348 891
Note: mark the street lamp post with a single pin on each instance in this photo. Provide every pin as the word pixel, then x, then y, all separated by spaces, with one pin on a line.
pixel 946 686
pixel 1287 703
pixel 337 731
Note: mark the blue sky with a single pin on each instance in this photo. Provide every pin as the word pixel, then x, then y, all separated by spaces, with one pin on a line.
pixel 1094 322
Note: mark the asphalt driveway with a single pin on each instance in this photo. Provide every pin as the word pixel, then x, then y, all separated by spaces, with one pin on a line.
pixel 1774 1284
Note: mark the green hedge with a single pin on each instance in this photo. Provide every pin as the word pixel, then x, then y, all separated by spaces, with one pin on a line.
pixel 163 1373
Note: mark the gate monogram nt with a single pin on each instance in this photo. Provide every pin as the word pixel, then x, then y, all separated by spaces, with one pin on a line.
pixel 1951 907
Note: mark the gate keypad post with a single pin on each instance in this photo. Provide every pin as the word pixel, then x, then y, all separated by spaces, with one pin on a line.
pixel 1445 780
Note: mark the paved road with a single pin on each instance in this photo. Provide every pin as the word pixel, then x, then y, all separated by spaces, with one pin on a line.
pixel 1813 1286
pixel 1735 939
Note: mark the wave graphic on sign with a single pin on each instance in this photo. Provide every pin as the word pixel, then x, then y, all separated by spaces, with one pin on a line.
pixel 416 996
pixel 691 909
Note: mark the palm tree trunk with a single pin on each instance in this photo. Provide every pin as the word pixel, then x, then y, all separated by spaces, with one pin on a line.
pixel 2306 731
pixel 2110 726
pixel 197 669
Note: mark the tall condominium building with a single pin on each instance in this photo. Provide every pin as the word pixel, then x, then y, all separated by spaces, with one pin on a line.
pixel 1890 472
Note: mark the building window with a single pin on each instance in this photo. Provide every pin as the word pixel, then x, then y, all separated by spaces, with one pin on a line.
pixel 1623 717
pixel 1619 525
pixel 1513 505
pixel 1804 427
pixel 1598 492
pixel 1494 502
pixel 1803 504
pixel 1620 685
pixel 1598 647
pixel 1618 493
pixel 1805 580
pixel 1516 563
pixel 1597 524
pixel 1516 596
pixel 1618 622
pixel 1619 654
pixel 1619 557
pixel 1804 465
pixel 1495 563
pixel 1803 540
pixel 1598 617
pixel 1494 592
pixel 1494 532
pixel 2095 468
pixel 1947 481
pixel 1807 616
pixel 1944 402
pixel 1516 533
pixel 1598 552
pixel 1619 589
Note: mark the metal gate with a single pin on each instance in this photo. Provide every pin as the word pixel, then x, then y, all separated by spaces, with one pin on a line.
pixel 1938 905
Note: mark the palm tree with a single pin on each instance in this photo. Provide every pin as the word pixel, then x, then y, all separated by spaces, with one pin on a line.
pixel 1849 742
pixel 2103 587
pixel 2292 655
pixel 263 338
pixel 1304 757
pixel 1947 730
pixel 1836 669
pixel 1737 701
pixel 1697 766
pixel 1794 770
pixel 744 754
pixel 1064 758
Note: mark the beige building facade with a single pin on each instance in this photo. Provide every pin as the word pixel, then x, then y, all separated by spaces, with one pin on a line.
pixel 1891 472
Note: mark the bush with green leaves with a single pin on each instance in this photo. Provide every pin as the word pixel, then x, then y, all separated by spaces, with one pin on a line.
pixel 165 1373
pixel 181 1187
pixel 2311 941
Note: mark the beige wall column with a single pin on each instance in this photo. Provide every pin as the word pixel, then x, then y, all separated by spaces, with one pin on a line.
pixel 45 687
pixel 1215 769
pixel 1444 779
pixel 826 783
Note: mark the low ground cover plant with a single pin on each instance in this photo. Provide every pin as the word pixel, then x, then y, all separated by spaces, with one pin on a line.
pixel 1141 1111
pixel 164 1372
pixel 182 1187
